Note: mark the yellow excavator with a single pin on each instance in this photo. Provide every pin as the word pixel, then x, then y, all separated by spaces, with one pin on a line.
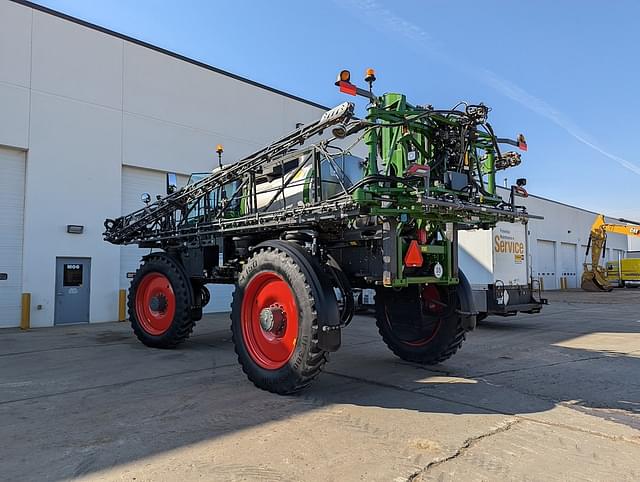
pixel 594 277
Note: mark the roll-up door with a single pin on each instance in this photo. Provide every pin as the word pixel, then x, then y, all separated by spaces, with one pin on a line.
pixel 545 260
pixel 12 169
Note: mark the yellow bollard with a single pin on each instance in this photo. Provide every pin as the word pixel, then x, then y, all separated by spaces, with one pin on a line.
pixel 25 316
pixel 122 305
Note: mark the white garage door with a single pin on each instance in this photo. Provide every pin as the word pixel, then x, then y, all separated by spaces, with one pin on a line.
pixel 12 167
pixel 136 181
pixel 568 264
pixel 545 260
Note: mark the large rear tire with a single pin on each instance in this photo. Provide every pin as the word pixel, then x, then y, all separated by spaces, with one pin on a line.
pixel 160 303
pixel 274 321
pixel 419 323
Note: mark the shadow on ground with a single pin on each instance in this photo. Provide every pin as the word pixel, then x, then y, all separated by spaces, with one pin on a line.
pixel 81 399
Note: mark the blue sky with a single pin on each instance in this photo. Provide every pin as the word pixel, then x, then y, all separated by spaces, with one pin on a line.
pixel 565 73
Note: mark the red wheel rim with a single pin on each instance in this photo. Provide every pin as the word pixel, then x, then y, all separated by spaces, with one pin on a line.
pixel 268 295
pixel 430 298
pixel 431 306
pixel 155 303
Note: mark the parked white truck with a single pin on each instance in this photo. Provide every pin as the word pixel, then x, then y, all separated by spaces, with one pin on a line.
pixel 497 263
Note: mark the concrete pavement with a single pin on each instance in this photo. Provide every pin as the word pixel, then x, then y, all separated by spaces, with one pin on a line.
pixel 554 396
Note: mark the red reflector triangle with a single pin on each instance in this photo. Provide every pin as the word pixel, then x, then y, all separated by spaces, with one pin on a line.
pixel 347 88
pixel 522 146
pixel 413 257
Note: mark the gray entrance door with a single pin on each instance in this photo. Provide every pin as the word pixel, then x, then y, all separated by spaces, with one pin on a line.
pixel 73 277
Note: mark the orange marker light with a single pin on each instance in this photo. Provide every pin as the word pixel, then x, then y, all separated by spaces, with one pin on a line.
pixel 370 76
pixel 219 149
pixel 343 76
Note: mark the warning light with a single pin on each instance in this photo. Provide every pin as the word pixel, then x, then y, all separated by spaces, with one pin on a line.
pixel 413 257
pixel 370 76
pixel 522 143
pixel 219 150
pixel 343 76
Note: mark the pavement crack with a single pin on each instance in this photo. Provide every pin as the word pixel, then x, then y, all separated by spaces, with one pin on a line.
pixel 62 348
pixel 486 409
pixel 546 365
pixel 113 385
pixel 466 445
pixel 573 428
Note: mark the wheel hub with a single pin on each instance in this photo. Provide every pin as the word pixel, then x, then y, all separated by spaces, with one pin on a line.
pixel 272 319
pixel 155 303
pixel 269 318
pixel 158 303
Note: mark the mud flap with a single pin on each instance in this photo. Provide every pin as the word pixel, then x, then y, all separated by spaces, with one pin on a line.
pixel 467 310
pixel 329 326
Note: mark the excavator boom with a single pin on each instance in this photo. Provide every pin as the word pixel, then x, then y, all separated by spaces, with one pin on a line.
pixel 594 277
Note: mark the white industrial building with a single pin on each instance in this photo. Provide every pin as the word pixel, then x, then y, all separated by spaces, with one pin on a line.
pixel 558 243
pixel 90 119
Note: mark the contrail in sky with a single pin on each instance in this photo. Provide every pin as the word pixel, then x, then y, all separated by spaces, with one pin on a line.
pixel 386 21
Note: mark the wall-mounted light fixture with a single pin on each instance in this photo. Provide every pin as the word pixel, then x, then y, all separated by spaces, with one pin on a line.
pixel 75 228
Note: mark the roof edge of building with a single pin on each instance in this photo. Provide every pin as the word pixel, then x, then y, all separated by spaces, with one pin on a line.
pixel 184 58
pixel 560 202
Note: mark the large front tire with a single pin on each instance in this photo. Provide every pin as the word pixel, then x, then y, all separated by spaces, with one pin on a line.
pixel 160 302
pixel 274 321
pixel 420 323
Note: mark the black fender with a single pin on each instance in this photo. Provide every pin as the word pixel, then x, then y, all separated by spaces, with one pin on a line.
pixel 196 307
pixel 342 283
pixel 467 309
pixel 329 326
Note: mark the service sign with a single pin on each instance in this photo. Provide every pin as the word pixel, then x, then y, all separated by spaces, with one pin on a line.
pixel 510 253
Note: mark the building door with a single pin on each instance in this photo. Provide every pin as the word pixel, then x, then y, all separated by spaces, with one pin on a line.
pixel 568 264
pixel 73 276
pixel 12 167
pixel 546 263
